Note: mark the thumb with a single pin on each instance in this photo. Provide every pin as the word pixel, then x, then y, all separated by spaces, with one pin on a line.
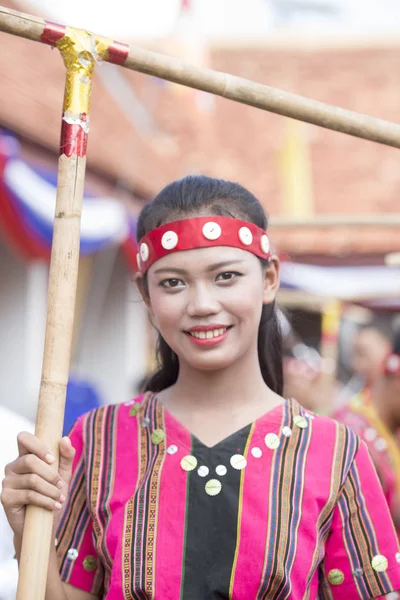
pixel 67 454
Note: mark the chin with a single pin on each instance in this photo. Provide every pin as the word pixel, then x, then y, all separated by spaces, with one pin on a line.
pixel 209 363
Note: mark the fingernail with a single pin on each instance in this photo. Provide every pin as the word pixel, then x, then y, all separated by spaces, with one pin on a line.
pixel 49 458
pixel 57 505
pixel 62 498
pixel 60 484
pixel 66 438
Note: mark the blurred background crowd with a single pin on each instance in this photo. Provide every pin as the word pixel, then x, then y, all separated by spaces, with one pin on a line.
pixel 325 194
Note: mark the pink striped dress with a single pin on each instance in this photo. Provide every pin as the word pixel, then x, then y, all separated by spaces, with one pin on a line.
pixel 288 507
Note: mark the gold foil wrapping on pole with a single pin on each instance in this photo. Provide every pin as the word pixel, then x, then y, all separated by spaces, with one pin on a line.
pixel 80 50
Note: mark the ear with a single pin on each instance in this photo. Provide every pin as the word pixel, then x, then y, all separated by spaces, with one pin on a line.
pixel 271 280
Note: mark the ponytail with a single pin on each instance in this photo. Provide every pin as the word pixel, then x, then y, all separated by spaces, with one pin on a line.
pixel 168 368
pixel 270 354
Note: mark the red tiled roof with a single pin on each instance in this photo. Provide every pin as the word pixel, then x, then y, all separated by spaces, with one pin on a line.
pixel 349 175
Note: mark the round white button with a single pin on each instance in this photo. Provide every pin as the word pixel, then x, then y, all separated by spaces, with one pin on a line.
pixel 393 363
pixel 211 231
pixel 256 452
pixel 370 434
pixel 72 554
pixel 172 449
pixel 286 431
pixel 169 240
pixel 245 236
pixel 221 470
pixel 381 444
pixel 203 471
pixel 265 244
pixel 144 252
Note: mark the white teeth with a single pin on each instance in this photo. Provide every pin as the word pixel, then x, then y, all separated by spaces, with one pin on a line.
pixel 202 335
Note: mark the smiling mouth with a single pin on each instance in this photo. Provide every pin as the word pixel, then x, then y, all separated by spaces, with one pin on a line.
pixel 210 334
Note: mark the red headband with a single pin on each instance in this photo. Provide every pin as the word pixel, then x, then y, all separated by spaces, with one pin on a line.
pixel 201 232
pixel 392 364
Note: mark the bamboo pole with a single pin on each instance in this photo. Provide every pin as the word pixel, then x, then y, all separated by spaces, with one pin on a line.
pixel 76 48
pixel 220 84
pixel 388 220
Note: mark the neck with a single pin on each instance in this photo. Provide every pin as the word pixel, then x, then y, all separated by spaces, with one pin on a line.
pixel 235 386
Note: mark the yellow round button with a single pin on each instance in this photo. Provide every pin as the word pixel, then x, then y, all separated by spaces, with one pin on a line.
pixel 238 461
pixel 335 576
pixel 134 409
pixel 213 487
pixel 379 563
pixel 90 563
pixel 300 421
pixel 189 462
pixel 272 441
pixel 157 436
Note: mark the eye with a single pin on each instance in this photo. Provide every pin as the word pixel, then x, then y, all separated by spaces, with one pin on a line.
pixel 228 276
pixel 172 283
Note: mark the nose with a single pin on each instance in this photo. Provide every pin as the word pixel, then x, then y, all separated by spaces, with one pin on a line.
pixel 202 301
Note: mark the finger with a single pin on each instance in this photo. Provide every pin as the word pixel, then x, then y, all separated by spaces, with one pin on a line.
pixel 32 464
pixel 15 499
pixel 67 455
pixel 30 444
pixel 35 483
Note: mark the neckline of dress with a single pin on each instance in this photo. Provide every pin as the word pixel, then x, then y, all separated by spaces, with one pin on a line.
pixel 273 416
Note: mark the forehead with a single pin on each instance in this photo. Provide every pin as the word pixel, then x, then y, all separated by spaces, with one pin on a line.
pixel 201 259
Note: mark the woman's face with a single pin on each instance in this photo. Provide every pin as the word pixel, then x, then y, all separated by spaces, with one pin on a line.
pixel 206 303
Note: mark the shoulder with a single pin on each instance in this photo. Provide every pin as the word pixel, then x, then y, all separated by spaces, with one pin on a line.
pixel 112 411
pixel 330 428
pixel 333 445
pixel 101 425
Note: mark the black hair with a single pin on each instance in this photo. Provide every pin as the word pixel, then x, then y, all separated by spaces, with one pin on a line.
pixel 201 195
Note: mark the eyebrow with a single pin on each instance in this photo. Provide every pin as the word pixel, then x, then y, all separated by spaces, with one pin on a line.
pixel 209 269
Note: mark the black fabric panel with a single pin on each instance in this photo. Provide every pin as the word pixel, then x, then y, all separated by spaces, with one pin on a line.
pixel 211 521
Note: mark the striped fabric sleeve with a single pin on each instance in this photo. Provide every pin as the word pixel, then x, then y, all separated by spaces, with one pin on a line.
pixel 79 563
pixel 362 551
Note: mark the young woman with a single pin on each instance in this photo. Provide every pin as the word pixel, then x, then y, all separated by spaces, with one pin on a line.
pixel 210 485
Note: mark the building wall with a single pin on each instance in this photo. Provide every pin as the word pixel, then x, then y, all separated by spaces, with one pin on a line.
pixel 113 337
pixel 23 291
pixel 112 350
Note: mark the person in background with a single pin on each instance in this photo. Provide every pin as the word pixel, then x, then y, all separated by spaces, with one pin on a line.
pixel 377 422
pixel 10 425
pixel 371 345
